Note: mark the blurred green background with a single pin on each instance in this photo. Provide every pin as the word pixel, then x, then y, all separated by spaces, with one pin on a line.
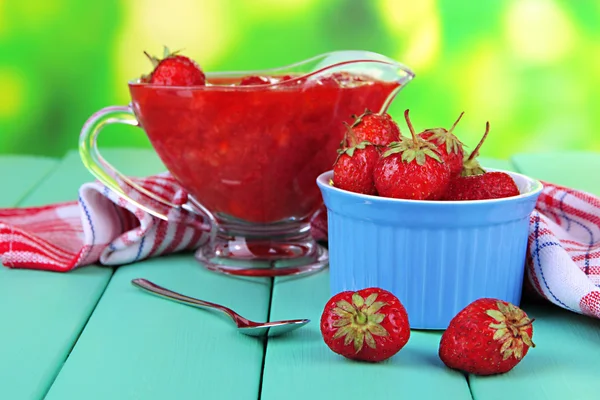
pixel 530 67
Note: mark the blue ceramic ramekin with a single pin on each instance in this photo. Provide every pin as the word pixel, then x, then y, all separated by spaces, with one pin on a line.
pixel 435 256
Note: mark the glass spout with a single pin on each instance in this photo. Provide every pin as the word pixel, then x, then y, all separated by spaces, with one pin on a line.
pixel 347 68
pixel 371 66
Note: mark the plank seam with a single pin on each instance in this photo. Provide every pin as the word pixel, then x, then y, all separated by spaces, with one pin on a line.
pixel 516 168
pixel 76 340
pixel 468 378
pixel 51 170
pixel 515 164
pixel 265 342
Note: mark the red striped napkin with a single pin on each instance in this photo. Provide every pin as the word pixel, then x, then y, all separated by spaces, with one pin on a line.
pixel 563 263
pixel 99 227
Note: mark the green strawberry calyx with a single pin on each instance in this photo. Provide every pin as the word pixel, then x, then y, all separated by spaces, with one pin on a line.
pixel 441 136
pixel 359 321
pixel 413 149
pixel 510 328
pixel 155 61
pixel 470 164
pixel 350 144
pixel 358 119
pixel 166 54
pixel 350 150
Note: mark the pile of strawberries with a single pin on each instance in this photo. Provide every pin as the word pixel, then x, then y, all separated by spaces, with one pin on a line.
pixel 487 337
pixel 376 159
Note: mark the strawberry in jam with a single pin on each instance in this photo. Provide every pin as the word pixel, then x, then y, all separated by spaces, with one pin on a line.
pixel 174 70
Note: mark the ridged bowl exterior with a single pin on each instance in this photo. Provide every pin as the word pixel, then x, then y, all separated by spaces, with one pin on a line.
pixel 435 256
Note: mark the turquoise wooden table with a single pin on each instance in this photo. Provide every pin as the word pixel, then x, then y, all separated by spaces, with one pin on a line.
pixel 89 334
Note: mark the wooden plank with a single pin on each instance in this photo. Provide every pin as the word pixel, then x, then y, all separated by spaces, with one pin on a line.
pixel 563 365
pixel 496 163
pixel 45 311
pixel 139 346
pixel 20 174
pixel 301 366
pixel 574 169
pixel 566 360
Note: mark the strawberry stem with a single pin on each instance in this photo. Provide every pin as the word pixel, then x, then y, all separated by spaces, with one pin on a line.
pixel 457 121
pixel 350 136
pixel 524 323
pixel 410 127
pixel 476 151
pixel 153 60
pixel 358 119
pixel 361 318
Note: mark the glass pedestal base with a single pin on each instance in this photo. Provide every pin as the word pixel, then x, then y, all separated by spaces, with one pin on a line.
pixel 262 253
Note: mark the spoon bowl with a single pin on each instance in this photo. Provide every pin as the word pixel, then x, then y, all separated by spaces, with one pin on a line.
pixel 244 325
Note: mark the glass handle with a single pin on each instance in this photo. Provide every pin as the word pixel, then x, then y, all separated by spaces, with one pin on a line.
pixel 105 172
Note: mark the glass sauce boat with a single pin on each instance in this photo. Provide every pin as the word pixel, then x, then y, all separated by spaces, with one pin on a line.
pixel 248 156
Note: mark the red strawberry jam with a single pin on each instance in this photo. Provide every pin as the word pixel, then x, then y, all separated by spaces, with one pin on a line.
pixel 255 80
pixel 254 152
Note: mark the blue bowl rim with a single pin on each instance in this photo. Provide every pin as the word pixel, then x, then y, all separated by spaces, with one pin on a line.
pixel 535 185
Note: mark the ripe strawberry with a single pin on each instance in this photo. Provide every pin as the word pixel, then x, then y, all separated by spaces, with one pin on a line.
pixel 369 325
pixel 353 169
pixel 379 129
pixel 411 169
pixel 174 70
pixel 490 185
pixel 476 184
pixel 448 145
pixel 488 336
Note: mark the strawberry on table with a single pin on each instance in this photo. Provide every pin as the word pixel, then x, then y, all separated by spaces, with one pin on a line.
pixel 353 169
pixel 174 70
pixel 369 325
pixel 379 129
pixel 411 169
pixel 476 184
pixel 448 145
pixel 487 337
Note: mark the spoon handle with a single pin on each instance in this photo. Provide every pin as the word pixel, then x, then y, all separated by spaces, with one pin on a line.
pixel 190 301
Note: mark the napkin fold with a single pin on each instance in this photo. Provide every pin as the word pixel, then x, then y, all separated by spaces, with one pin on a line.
pixel 562 265
pixel 563 261
pixel 100 227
